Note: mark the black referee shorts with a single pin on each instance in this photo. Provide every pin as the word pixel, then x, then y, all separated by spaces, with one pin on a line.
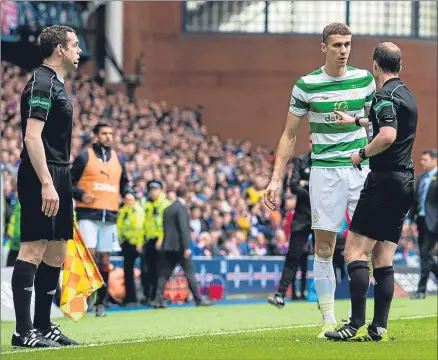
pixel 383 205
pixel 34 224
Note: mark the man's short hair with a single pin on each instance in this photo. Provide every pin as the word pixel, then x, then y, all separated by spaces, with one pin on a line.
pixel 335 29
pixel 51 37
pixel 433 153
pixel 100 126
pixel 181 192
pixel 389 58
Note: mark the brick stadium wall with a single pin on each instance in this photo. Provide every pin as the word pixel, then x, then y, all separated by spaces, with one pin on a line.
pixel 244 82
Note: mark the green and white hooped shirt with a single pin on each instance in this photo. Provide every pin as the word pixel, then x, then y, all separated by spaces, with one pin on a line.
pixel 318 95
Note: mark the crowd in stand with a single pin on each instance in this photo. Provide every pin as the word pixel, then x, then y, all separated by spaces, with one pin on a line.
pixel 226 178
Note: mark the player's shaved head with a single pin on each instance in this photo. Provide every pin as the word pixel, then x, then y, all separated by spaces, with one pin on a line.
pixel 388 57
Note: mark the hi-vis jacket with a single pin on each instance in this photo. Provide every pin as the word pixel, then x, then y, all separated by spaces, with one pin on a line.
pixel 153 221
pixel 130 222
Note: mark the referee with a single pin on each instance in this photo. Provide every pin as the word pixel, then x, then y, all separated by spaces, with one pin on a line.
pixel 44 189
pixel 386 198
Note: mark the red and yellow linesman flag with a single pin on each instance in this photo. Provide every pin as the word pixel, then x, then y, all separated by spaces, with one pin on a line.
pixel 80 279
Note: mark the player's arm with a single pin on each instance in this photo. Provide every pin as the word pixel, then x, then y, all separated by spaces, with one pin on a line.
pixel 370 93
pixel 345 119
pixel 40 102
pixel 286 145
pixel 387 117
pixel 125 187
pixel 35 149
pixel 76 172
pixel 298 108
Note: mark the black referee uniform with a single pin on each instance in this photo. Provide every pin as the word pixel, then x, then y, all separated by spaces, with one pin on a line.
pixel 384 202
pixel 388 192
pixel 44 98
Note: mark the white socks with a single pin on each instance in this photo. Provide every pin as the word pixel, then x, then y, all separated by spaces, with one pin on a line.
pixel 325 286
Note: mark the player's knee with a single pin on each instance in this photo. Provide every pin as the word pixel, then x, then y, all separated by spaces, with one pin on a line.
pixel 381 259
pixel 54 258
pixel 32 252
pixel 55 253
pixel 383 254
pixel 325 243
pixel 324 251
pixel 352 253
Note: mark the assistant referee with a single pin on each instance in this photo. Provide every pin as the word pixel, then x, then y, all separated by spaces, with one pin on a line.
pixel 45 189
pixel 387 196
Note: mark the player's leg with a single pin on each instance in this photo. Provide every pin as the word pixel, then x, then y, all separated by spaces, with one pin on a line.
pixel 290 269
pixel 303 266
pixel 357 249
pixel 357 180
pixel 356 183
pixel 106 236
pixel 328 198
pixel 89 231
pixel 427 242
pixel 47 276
pixel 46 281
pixel 382 256
pixel 129 253
pixel 187 266
pixel 34 226
pixel 360 241
pixel 324 274
pixel 144 277
pixel 399 200
pixel 166 263
pixel 23 275
pixel 151 256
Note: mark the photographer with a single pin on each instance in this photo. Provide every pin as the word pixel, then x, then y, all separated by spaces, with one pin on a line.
pixel 300 230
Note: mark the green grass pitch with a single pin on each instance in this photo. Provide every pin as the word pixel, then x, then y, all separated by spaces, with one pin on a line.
pixel 236 332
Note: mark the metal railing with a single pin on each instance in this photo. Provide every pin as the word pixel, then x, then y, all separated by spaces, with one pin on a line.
pixel 417 19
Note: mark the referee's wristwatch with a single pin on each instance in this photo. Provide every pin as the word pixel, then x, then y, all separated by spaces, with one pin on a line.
pixel 362 154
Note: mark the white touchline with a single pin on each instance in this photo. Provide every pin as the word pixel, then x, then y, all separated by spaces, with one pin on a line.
pixel 178 337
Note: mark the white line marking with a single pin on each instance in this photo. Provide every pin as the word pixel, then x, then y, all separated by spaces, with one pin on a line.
pixel 179 337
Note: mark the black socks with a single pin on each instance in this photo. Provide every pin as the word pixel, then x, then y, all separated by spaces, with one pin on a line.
pixel 22 287
pixel 46 282
pixel 359 284
pixel 383 294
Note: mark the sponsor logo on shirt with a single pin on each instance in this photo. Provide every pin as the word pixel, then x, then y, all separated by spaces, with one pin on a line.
pixel 36 101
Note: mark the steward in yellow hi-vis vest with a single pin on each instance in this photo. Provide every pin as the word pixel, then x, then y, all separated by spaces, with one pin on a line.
pixel 99 178
pixel 153 235
pixel 130 231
